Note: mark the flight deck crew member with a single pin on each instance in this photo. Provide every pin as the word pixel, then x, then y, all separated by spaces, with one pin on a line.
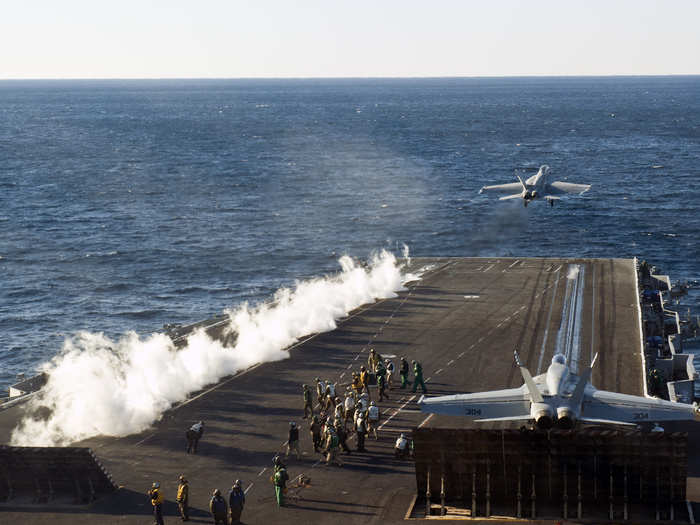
pixel 418 377
pixel 361 428
pixel 364 376
pixel 403 372
pixel 183 496
pixel 315 430
pixel 330 401
pixel 193 435
pixel 308 405
pixel 236 501
pixel 349 408
pixel 332 446
pixel 320 390
pixel 381 382
pixel 157 501
pixel 293 440
pixel 373 360
pixel 357 384
pixel 389 365
pixel 373 418
pixel 217 507
pixel 401 447
pixel 279 479
pixel 342 436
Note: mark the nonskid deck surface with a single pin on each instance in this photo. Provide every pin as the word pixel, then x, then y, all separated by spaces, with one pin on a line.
pixel 462 321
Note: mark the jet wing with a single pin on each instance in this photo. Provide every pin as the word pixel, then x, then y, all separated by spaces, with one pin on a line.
pixel 612 406
pixel 503 188
pixel 509 403
pixel 560 188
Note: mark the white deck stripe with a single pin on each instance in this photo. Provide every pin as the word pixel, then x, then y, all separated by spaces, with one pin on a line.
pixel 396 412
pixel 425 420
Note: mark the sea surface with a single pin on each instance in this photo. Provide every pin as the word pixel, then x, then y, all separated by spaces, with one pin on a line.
pixel 125 205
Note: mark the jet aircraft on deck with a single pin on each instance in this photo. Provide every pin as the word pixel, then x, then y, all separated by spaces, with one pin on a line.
pixel 537 187
pixel 557 398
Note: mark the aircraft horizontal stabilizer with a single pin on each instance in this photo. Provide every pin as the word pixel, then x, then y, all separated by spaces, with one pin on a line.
pixel 523 417
pixel 605 422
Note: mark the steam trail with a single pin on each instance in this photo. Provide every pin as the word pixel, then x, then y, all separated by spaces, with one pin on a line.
pixel 98 386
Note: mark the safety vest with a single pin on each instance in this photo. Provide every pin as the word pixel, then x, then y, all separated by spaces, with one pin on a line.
pixel 156 497
pixel 401 443
pixel 349 403
pixel 365 377
pixel 281 477
pixel 374 413
pixel 332 388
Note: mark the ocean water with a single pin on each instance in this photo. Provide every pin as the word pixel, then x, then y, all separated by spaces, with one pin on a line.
pixel 125 205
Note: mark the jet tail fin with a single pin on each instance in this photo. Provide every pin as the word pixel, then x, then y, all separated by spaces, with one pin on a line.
pixel 577 395
pixel 535 394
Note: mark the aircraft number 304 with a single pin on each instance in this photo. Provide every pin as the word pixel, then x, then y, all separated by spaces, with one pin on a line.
pixel 472 411
pixel 641 415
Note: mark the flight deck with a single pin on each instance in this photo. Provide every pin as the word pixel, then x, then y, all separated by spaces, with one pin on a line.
pixel 462 320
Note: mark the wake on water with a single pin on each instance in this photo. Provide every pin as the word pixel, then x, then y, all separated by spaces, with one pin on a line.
pixel 99 386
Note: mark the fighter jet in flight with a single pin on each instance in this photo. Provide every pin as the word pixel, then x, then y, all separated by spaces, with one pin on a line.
pixel 537 187
pixel 559 399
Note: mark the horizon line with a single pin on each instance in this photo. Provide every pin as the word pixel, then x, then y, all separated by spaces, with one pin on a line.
pixel 437 77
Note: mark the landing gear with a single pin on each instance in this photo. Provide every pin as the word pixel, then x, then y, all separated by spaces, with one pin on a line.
pixel 525 202
pixel 551 203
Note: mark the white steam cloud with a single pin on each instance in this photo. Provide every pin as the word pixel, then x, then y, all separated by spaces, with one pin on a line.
pixel 98 386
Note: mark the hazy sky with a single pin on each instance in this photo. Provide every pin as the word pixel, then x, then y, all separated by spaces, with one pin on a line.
pixel 334 38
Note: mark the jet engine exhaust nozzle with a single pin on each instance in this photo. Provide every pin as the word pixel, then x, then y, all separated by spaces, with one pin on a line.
pixel 565 419
pixel 543 416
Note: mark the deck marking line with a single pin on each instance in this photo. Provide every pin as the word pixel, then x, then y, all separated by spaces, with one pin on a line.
pixel 425 420
pixel 397 411
pixel 546 330
pixel 144 440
